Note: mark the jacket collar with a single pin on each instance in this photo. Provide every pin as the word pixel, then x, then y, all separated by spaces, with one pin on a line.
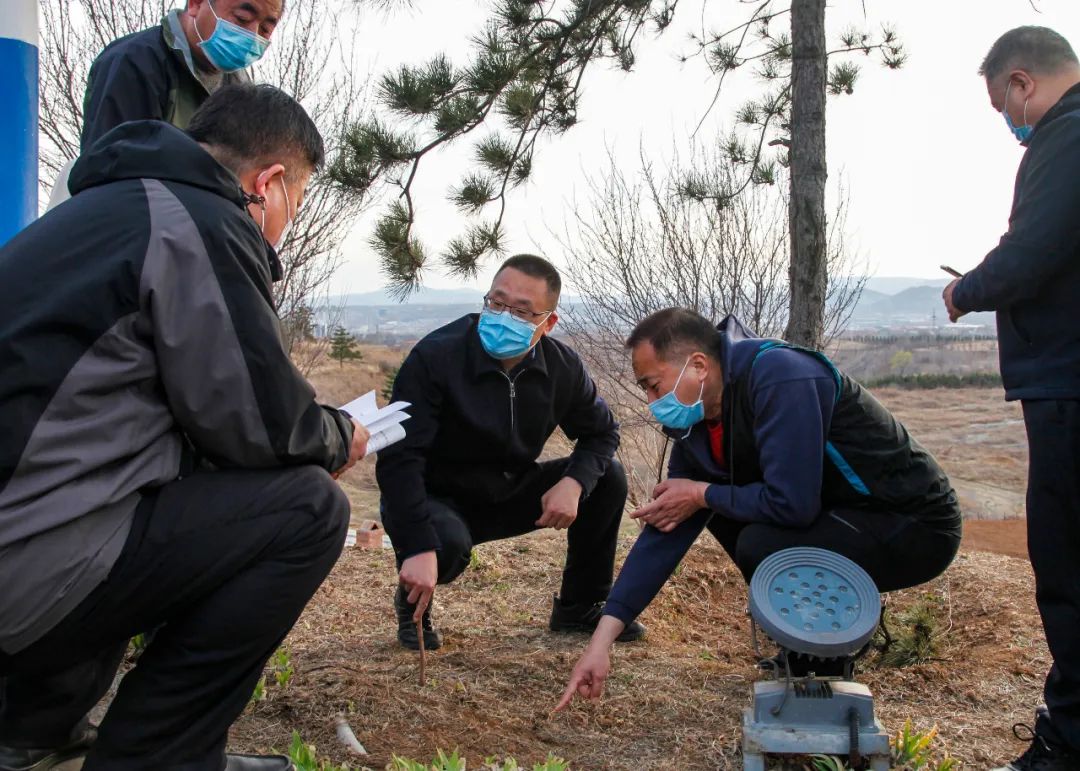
pixel 480 363
pixel 1069 102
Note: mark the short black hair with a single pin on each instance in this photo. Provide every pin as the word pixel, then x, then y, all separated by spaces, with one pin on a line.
pixel 675 333
pixel 249 125
pixel 537 267
pixel 1038 50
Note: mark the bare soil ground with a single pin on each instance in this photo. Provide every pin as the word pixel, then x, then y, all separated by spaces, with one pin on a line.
pixel 675 699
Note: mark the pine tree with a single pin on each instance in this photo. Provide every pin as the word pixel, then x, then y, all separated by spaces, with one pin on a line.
pixel 343 346
pixel 527 68
pixel 388 385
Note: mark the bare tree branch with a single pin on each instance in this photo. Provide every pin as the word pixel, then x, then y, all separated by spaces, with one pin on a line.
pixel 637 245
pixel 307 59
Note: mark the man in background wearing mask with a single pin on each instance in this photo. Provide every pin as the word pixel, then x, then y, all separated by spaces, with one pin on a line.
pixel 1032 280
pixel 163 464
pixel 774 448
pixel 487 392
pixel 167 71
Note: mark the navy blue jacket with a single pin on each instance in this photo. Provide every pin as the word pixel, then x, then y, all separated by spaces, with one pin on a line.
pixel 1032 278
pixel 476 429
pixel 801 438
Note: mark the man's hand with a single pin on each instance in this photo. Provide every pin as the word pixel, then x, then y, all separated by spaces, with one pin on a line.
pixel 674 501
pixel 591 671
pixel 358 448
pixel 560 504
pixel 418 575
pixel 946 294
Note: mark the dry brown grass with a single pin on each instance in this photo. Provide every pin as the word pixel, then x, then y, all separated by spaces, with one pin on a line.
pixel 674 701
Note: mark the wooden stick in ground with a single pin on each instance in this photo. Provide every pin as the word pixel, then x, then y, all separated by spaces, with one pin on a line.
pixel 418 619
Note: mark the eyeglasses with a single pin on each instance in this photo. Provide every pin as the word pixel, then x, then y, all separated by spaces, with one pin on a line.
pixel 533 317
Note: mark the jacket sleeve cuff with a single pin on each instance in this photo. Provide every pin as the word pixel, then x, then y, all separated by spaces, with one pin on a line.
pixel 420 539
pixel 618 610
pixel 715 498
pixel 583 477
pixel 959 296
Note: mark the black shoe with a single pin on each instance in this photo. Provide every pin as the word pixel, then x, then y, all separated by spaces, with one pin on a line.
pixel 258 763
pixel 1041 755
pixel 42 759
pixel 584 618
pixel 406 627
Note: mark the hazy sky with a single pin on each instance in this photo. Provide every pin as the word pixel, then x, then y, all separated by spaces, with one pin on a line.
pixel 928 165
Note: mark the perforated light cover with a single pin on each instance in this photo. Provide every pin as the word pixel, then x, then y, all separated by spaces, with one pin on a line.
pixel 815 601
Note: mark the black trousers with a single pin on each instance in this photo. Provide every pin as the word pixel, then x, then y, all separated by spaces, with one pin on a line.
pixel 591 539
pixel 1053 523
pixel 223 562
pixel 896 550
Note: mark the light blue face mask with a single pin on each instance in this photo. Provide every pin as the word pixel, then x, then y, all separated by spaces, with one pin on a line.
pixel 231 47
pixel 1022 133
pixel 672 413
pixel 503 335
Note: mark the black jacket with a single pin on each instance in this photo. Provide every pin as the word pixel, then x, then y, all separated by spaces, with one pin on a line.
pixel 142 76
pixel 476 429
pixel 1032 278
pixel 136 323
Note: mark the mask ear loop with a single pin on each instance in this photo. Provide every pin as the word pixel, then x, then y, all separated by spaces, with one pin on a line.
pixel 701 393
pixel 250 198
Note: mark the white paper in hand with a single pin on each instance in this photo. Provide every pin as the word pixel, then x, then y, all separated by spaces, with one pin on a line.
pixel 384 423
pixel 382 439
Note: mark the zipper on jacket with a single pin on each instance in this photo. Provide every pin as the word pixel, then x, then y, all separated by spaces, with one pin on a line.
pixel 513 394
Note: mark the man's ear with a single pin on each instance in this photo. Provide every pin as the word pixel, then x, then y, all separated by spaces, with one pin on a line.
pixel 550 322
pixel 1022 81
pixel 700 361
pixel 266 176
pixel 193 7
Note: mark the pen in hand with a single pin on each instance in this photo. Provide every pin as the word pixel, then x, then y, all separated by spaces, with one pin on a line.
pixel 952 271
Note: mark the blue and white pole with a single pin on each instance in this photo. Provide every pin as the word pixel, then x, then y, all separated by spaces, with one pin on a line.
pixel 19 125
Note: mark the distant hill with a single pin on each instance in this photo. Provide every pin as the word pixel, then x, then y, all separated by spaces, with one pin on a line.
pixel 423 296
pixel 894 284
pixel 885 301
pixel 919 304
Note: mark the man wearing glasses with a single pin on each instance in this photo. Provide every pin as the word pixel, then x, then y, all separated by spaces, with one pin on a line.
pixel 487 392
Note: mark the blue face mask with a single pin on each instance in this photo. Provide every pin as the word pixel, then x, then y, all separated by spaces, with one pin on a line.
pixel 1022 133
pixel 672 413
pixel 231 47
pixel 505 336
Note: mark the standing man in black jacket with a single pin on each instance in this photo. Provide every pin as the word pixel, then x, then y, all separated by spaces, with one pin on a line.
pixel 1032 280
pixel 487 392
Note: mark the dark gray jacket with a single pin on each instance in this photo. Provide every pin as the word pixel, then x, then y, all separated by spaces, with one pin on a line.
pixel 147 75
pixel 137 332
pixel 1032 278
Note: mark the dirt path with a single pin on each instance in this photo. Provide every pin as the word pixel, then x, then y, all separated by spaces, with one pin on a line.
pixel 1008 537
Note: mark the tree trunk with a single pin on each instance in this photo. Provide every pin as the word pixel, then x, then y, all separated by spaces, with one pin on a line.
pixel 806 218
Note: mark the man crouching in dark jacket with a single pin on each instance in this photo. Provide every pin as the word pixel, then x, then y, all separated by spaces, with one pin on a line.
pixel 163 464
pixel 774 448
pixel 487 392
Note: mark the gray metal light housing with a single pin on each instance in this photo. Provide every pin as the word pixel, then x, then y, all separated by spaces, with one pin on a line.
pixel 815 602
